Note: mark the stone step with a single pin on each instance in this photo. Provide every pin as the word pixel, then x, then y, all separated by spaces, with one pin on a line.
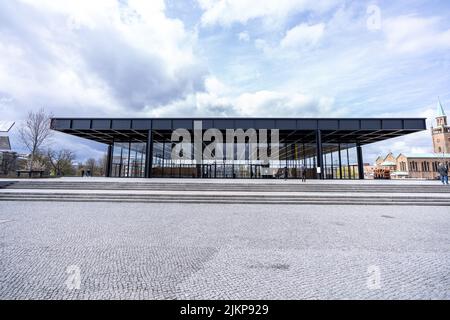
pixel 224 184
pixel 303 202
pixel 273 188
pixel 4 184
pixel 223 199
pixel 387 191
pixel 250 196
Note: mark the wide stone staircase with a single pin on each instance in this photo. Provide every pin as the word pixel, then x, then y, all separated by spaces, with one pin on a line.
pixel 226 192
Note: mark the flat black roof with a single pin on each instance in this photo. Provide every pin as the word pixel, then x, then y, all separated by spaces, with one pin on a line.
pixel 333 130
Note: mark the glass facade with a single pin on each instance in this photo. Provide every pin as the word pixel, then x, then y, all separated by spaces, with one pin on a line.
pixel 339 162
pixel 128 159
pixel 142 147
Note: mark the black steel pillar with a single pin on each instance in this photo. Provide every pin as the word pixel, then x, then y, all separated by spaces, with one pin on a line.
pixel 149 155
pixel 332 165
pixel 108 164
pixel 163 157
pixel 128 174
pixel 349 172
pixel 360 161
pixel 340 161
pixel 121 162
pixel 319 154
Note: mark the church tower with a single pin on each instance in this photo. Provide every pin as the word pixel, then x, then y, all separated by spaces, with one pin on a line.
pixel 441 133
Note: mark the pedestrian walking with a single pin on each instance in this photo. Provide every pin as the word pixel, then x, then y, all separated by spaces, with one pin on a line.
pixel 443 172
pixel 303 172
pixel 285 173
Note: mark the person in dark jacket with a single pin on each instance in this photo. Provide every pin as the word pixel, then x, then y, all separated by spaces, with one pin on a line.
pixel 443 172
pixel 303 172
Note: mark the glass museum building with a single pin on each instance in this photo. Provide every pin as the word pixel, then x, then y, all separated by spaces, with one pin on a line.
pixel 328 148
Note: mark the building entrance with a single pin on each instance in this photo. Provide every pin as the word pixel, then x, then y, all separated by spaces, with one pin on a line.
pixel 216 170
pixel 208 171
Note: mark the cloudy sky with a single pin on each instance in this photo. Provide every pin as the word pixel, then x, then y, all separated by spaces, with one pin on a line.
pixel 302 58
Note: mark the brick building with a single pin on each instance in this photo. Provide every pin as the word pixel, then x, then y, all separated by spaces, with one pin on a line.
pixel 420 165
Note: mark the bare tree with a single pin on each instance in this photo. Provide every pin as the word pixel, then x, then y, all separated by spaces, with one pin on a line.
pixel 35 132
pixel 101 165
pixel 61 161
pixel 91 165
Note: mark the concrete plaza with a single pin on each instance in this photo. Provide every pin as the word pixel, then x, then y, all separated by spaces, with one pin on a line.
pixel 202 251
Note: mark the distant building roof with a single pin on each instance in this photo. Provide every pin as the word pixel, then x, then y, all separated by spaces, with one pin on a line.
pixel 5 126
pixel 4 143
pixel 427 155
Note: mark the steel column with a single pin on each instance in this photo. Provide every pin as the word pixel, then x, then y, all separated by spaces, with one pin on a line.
pixel 340 161
pixel 319 154
pixel 348 165
pixel 108 169
pixel 360 161
pixel 149 155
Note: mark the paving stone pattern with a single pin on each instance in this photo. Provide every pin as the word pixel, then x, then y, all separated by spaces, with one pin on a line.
pixel 198 251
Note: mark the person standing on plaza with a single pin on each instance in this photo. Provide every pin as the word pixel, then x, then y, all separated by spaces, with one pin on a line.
pixel 443 172
pixel 303 172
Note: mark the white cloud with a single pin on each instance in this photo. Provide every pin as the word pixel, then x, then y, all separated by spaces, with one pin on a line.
pixel 299 38
pixel 222 100
pixel 262 45
pixel 283 104
pixel 303 35
pixel 128 58
pixel 244 36
pixel 214 86
pixel 94 57
pixel 414 34
pixel 227 12
pixel 419 142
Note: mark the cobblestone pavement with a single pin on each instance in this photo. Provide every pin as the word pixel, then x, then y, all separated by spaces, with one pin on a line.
pixel 195 251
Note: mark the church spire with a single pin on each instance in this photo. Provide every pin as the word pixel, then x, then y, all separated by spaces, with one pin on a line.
pixel 440 109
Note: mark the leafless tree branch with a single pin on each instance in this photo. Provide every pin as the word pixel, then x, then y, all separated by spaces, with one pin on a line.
pixel 35 132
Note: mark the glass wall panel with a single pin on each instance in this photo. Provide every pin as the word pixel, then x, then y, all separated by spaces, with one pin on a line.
pixel 125 159
pixel 158 153
pixel 137 159
pixel 120 159
pixel 331 160
pixel 349 162
pixel 353 161
pixel 292 156
pixel 128 159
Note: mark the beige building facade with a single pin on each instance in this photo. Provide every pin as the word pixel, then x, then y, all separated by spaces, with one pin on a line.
pixel 419 165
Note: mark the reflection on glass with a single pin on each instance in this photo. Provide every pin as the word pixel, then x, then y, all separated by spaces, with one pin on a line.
pixel 339 162
pixel 128 159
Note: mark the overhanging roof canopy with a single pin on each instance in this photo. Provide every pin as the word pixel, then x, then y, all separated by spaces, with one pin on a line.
pixel 333 130
pixel 5 126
